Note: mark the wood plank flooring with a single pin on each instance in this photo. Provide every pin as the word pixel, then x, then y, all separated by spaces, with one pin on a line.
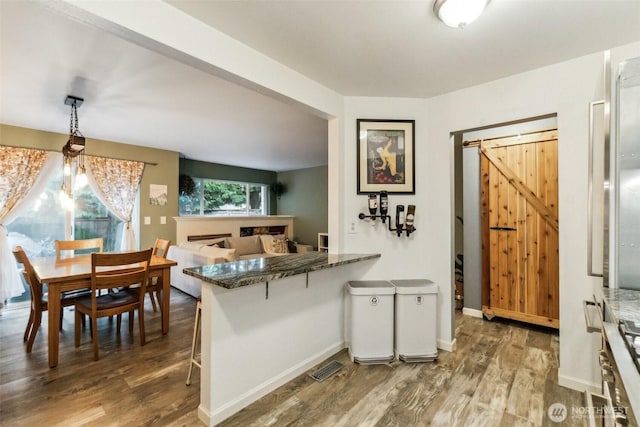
pixel 502 374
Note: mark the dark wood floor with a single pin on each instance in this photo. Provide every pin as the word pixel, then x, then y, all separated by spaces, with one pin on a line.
pixel 502 374
pixel 130 385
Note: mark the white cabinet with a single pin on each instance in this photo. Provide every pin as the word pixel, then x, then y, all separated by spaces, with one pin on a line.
pixel 323 242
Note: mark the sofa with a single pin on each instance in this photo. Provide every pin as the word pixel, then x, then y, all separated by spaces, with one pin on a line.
pixel 224 249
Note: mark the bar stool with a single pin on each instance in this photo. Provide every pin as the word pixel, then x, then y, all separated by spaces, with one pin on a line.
pixel 196 330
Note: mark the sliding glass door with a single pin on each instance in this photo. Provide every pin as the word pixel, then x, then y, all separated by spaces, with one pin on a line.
pixel 46 220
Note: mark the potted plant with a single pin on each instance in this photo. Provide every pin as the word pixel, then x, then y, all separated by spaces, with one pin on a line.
pixel 279 188
pixel 186 186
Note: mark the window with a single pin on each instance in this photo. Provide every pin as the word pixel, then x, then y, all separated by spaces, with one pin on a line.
pixel 93 219
pixel 42 223
pixel 214 197
pixel 46 221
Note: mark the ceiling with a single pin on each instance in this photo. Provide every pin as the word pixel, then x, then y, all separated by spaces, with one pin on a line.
pixel 360 48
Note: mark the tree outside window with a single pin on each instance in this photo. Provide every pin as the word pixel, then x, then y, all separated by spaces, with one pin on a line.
pixel 214 197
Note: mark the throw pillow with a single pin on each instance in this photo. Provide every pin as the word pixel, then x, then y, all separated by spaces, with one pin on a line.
pixel 246 245
pixel 216 242
pixel 267 242
pixel 279 246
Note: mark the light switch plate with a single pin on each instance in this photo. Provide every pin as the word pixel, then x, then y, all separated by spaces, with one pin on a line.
pixel 147 220
pixel 163 220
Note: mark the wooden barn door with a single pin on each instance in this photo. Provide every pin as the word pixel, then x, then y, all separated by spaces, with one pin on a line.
pixel 519 226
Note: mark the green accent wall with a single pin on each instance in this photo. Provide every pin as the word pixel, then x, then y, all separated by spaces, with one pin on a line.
pixel 307 200
pixel 199 169
pixel 165 172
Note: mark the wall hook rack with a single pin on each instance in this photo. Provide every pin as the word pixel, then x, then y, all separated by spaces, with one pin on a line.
pixel 401 224
pixel 374 217
pixel 398 230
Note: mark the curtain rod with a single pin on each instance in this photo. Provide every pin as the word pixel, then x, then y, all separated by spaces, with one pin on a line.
pixel 94 155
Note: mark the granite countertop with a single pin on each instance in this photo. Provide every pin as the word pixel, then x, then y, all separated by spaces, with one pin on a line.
pixel 622 304
pixel 236 274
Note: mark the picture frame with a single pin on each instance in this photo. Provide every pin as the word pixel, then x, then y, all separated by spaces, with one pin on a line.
pixel 158 195
pixel 386 160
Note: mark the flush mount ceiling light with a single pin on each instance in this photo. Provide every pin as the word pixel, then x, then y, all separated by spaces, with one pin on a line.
pixel 459 13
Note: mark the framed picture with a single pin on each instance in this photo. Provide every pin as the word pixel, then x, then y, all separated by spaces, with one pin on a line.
pixel 157 195
pixel 385 156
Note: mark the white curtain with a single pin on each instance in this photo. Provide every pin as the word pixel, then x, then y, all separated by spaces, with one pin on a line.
pixel 116 183
pixel 24 174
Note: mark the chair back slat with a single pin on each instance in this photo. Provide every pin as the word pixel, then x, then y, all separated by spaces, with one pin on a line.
pixel 75 245
pixel 161 247
pixel 114 270
pixel 130 277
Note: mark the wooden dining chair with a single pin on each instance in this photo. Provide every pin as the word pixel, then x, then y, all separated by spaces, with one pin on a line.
pixel 39 301
pixel 160 248
pixel 75 245
pixel 123 271
pixel 86 245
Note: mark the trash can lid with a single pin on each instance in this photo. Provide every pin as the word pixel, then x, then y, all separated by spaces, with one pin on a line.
pixel 371 287
pixel 415 286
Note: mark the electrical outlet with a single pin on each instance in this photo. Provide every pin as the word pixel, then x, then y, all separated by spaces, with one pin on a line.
pixel 147 220
pixel 163 220
pixel 351 228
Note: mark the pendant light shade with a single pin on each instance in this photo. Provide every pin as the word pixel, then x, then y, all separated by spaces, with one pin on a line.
pixel 72 156
pixel 459 13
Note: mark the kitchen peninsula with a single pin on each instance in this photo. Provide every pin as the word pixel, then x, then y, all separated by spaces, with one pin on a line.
pixel 266 321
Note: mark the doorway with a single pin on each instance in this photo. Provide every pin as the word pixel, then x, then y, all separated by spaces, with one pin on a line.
pixel 477 297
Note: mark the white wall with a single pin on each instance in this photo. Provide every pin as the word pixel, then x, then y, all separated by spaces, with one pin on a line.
pixel 402 257
pixel 565 89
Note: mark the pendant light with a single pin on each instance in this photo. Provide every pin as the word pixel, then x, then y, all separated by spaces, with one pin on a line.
pixel 73 156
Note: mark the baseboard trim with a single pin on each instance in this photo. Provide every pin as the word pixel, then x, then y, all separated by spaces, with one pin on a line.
pixel 204 415
pixel 472 312
pixel 224 412
pixel 578 384
pixel 447 345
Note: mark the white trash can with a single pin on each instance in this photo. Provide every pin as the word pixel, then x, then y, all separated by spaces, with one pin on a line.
pixel 371 323
pixel 415 320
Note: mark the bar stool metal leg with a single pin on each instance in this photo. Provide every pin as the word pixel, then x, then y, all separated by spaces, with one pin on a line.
pixel 196 331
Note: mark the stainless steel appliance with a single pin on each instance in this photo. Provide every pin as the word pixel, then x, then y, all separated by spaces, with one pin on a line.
pixel 618 403
pixel 626 173
pixel 619 301
pixel 631 333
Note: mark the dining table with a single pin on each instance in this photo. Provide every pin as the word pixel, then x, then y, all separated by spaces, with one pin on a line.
pixel 73 273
